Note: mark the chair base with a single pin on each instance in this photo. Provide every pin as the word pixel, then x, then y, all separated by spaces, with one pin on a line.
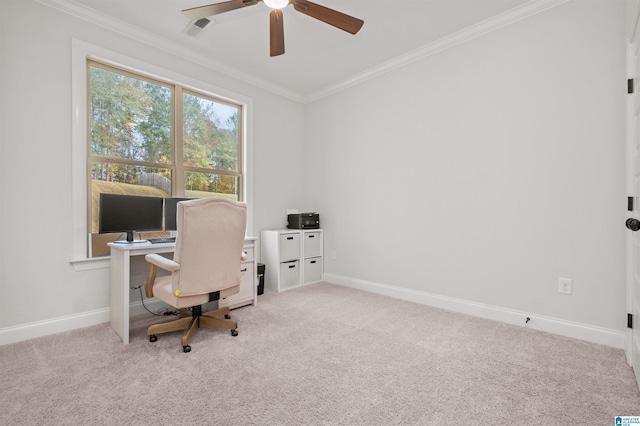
pixel 214 319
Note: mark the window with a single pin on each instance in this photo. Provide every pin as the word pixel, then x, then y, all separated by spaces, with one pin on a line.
pixel 146 136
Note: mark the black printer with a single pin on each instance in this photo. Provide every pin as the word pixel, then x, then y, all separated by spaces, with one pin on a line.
pixel 303 221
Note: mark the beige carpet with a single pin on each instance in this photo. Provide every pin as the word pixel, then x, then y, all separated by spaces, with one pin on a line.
pixel 318 355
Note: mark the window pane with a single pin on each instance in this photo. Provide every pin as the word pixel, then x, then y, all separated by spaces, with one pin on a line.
pixel 130 118
pixel 200 185
pixel 126 179
pixel 210 134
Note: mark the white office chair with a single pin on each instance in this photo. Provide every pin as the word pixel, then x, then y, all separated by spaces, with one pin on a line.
pixel 205 265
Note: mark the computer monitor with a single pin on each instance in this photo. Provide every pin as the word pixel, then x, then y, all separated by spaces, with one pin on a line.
pixel 170 212
pixel 129 213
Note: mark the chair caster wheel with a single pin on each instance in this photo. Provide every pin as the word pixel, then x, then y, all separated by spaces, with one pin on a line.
pixel 234 333
pixel 153 338
pixel 227 316
pixel 186 348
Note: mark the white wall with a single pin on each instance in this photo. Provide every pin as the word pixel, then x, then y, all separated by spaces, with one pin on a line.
pixel 37 282
pixel 485 172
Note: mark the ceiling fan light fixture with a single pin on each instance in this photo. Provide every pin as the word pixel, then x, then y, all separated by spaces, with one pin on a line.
pixel 276 4
pixel 324 14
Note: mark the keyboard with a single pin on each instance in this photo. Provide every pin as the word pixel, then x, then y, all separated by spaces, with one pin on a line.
pixel 162 240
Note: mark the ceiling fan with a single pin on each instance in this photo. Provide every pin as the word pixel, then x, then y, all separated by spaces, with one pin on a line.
pixel 276 28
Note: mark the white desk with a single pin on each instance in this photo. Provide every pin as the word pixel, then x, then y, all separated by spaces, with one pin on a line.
pixel 120 280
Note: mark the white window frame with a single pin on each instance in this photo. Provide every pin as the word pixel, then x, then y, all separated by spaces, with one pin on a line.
pixel 80 53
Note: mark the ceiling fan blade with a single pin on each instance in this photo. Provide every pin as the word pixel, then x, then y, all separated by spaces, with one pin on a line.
pixel 217 8
pixel 332 17
pixel 276 32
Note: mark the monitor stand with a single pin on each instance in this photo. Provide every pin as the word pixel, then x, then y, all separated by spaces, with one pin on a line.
pixel 130 242
pixel 129 239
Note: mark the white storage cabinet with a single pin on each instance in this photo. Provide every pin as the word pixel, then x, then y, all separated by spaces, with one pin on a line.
pixel 291 257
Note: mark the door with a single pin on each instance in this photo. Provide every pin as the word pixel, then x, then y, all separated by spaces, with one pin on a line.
pixel 633 190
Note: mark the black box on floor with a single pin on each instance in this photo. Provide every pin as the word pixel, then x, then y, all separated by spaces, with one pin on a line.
pixel 260 278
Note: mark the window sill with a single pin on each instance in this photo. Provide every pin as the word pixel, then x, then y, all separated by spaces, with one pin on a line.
pixel 90 264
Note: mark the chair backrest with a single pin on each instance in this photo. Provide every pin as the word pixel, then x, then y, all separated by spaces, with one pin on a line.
pixel 209 244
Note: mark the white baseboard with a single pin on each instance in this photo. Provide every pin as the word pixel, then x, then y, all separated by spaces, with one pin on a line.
pixel 67 323
pixel 557 326
pixel 561 327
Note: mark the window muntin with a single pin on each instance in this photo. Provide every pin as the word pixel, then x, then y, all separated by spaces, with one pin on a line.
pixel 151 137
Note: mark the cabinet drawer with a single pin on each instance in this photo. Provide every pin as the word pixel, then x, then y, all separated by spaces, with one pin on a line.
pixel 289 274
pixel 246 285
pixel 289 247
pixel 312 244
pixel 247 293
pixel 249 252
pixel 312 270
pixel 247 281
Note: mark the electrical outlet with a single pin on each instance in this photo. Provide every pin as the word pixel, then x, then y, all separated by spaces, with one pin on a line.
pixel 565 285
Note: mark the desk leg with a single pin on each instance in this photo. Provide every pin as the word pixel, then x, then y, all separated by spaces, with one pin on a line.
pixel 119 312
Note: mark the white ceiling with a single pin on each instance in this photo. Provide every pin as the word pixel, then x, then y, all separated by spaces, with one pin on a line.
pixel 319 58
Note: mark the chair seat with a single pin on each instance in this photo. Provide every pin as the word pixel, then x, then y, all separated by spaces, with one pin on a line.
pixel 163 291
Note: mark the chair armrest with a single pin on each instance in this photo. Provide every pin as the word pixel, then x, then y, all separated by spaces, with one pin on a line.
pixel 156 261
pixel 162 262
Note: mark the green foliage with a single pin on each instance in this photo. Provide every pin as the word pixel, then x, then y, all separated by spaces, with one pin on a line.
pixel 131 120
pixel 209 143
pixel 155 129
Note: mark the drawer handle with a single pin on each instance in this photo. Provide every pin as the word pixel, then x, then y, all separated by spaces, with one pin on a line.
pixel 292 266
pixel 289 238
pixel 243 270
pixel 312 236
pixel 313 261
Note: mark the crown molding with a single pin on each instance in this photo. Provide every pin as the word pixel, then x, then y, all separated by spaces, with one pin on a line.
pixel 495 23
pixel 110 23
